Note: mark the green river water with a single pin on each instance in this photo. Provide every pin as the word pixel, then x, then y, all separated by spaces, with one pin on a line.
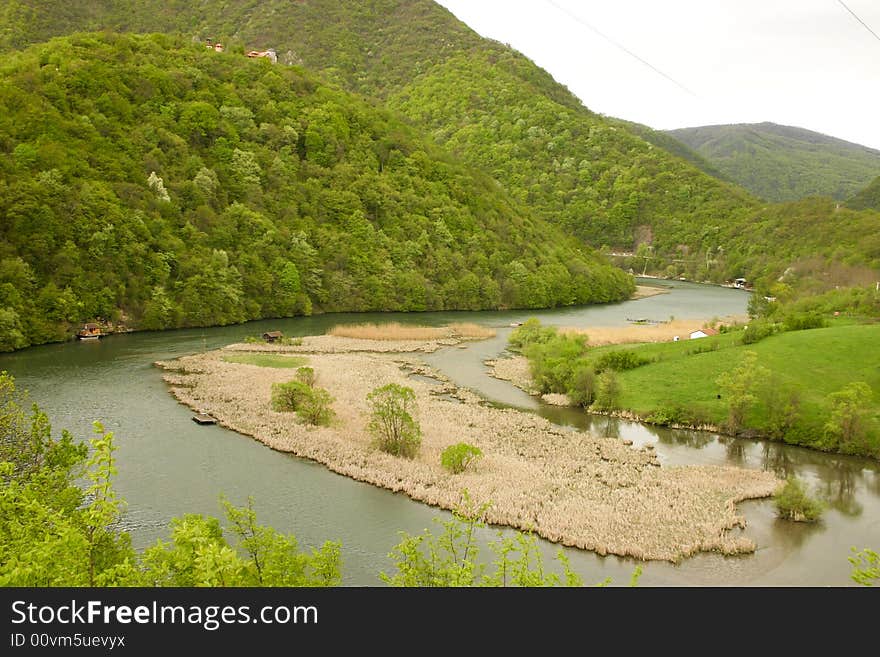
pixel 168 465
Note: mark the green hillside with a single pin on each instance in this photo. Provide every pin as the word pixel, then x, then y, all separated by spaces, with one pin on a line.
pixel 868 198
pixel 605 181
pixel 782 163
pixel 151 180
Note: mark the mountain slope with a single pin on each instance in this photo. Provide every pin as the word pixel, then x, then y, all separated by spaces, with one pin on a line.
pixel 868 198
pixel 782 163
pixel 148 178
pixel 602 180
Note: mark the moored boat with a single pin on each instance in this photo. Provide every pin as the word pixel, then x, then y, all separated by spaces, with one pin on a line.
pixel 89 332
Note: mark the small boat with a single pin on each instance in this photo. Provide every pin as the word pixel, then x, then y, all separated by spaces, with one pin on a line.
pixel 89 332
pixel 203 418
pixel 515 324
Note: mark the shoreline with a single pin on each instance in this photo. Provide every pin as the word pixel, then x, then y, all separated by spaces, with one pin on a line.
pixel 567 486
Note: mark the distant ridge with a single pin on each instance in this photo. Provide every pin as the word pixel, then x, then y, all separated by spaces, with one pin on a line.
pixel 783 163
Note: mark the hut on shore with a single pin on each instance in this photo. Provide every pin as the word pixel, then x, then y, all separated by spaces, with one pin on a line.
pixel 272 336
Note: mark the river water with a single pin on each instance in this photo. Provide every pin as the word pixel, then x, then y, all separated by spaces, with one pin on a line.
pixel 169 466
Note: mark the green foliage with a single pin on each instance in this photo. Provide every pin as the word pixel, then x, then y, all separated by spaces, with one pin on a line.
pixel 868 198
pixel 553 363
pixel 456 458
pixel 531 332
pixel 757 330
pixel 582 385
pixel 392 422
pixel 199 554
pixel 452 558
pixel 619 361
pixel 310 403
pixel 150 179
pixel 782 163
pixel 608 391
pixel 287 397
pixel 803 321
pixel 316 407
pixel 794 503
pixel 846 428
pixel 306 376
pixel 55 533
pixel 866 567
pixel 739 389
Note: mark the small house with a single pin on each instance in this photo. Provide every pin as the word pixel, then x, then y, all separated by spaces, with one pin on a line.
pixel 703 333
pixel 268 54
pixel 272 336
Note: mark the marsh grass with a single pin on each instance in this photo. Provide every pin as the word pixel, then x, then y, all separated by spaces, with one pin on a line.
pixel 266 360
pixel 394 331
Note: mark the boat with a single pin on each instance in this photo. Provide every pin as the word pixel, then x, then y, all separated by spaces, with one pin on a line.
pixel 515 324
pixel 89 332
pixel 203 418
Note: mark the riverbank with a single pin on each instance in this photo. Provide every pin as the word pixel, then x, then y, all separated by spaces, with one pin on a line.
pixel 649 332
pixel 570 487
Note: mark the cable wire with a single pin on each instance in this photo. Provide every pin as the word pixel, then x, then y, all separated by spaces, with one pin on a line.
pixel 856 16
pixel 621 46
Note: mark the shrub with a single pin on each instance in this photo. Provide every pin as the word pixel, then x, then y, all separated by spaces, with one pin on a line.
pixel 287 397
pixel 392 424
pixel 607 391
pixel 313 405
pixel 758 330
pixel 552 363
pixel 531 332
pixel 620 361
pixel 456 458
pixel 306 376
pixel 793 502
pixel 315 408
pixel 803 321
pixel 582 385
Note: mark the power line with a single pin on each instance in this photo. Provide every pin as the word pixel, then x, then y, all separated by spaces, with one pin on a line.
pixel 621 46
pixel 856 16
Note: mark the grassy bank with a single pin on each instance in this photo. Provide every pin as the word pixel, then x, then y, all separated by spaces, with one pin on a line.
pixel 800 382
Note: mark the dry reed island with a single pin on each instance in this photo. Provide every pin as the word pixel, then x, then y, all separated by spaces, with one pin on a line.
pixel 567 486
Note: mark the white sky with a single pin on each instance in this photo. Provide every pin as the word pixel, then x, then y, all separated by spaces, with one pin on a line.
pixel 806 63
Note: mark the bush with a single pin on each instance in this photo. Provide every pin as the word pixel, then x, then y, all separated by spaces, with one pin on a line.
pixel 582 385
pixel 287 397
pixel 620 361
pixel 531 332
pixel 456 458
pixel 306 376
pixel 315 408
pixel 758 330
pixel 552 363
pixel 313 405
pixel 793 502
pixel 392 424
pixel 803 321
pixel 607 391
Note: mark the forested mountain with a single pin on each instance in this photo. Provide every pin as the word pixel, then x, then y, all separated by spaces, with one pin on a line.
pixel 605 181
pixel 782 163
pixel 484 101
pixel 149 178
pixel 868 198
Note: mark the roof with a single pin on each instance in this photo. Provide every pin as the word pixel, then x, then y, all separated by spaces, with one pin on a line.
pixel 272 334
pixel 707 331
pixel 90 326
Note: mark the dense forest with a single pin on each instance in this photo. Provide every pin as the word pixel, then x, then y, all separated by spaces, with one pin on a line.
pixel 783 163
pixel 524 140
pixel 868 198
pixel 150 180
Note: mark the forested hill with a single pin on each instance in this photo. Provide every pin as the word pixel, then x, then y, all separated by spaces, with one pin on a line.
pixel 868 198
pixel 603 180
pixel 486 102
pixel 783 163
pixel 150 179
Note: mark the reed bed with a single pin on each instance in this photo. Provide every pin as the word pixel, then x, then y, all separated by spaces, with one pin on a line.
pixel 603 335
pixel 395 331
pixel 567 486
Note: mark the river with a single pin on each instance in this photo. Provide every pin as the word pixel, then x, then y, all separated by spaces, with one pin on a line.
pixel 169 466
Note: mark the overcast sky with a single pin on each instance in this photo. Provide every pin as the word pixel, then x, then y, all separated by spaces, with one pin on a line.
pixel 806 63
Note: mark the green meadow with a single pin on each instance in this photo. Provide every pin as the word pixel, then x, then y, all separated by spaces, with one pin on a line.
pixel 266 360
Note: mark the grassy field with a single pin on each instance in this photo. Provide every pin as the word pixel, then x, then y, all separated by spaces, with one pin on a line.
pixel 266 360
pixel 811 364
